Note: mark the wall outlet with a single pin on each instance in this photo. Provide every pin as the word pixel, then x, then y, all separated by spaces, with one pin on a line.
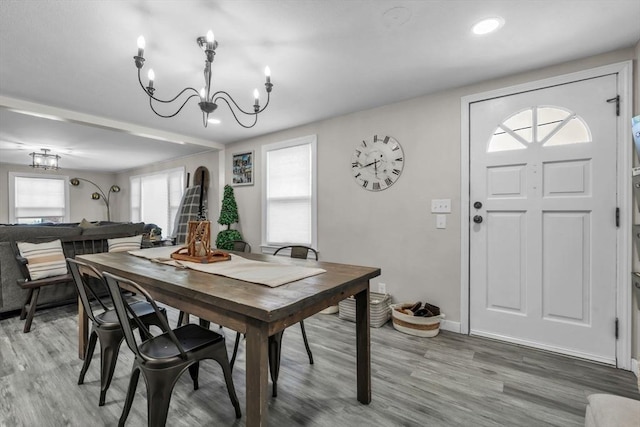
pixel 441 221
pixel 441 206
pixel 382 288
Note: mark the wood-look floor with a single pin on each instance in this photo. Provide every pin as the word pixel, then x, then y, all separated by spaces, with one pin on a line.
pixel 449 380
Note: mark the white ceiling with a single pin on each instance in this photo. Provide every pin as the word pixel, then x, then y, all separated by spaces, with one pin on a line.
pixel 74 60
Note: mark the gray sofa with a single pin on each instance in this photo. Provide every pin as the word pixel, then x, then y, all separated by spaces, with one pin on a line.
pixel 12 296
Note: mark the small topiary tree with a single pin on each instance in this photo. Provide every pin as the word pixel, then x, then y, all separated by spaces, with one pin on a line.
pixel 228 216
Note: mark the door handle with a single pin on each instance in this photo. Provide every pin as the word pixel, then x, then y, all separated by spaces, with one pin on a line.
pixel 477 205
pixel 477 219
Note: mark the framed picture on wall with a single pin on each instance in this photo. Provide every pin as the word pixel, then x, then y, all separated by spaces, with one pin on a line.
pixel 242 167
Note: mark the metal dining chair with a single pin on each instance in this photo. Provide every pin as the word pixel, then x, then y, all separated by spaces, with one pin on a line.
pixel 163 358
pixel 105 326
pixel 241 246
pixel 275 341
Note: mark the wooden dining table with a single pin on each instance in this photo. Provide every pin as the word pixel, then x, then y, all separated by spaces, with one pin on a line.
pixel 258 311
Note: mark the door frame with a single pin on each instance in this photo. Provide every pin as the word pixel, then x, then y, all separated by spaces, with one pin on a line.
pixel 624 164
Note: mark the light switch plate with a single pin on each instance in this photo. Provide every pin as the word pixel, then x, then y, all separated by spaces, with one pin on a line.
pixel 441 206
pixel 441 221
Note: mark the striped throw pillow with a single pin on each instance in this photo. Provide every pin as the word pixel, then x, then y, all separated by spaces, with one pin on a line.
pixel 44 259
pixel 125 244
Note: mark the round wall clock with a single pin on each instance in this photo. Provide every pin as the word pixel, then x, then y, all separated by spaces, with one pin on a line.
pixel 377 163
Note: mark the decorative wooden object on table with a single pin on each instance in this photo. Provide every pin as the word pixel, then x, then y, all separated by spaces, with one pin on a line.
pixel 198 248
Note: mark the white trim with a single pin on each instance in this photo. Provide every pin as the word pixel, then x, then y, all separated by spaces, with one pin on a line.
pixel 624 159
pixel 635 368
pixel 308 139
pixel 450 325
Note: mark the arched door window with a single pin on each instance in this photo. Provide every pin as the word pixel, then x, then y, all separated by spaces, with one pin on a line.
pixel 543 125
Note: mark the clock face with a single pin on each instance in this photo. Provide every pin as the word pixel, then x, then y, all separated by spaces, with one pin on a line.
pixel 377 163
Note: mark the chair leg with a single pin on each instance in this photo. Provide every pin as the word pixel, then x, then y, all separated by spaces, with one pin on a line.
pixel 204 323
pixel 109 347
pixel 131 392
pixel 159 388
pixel 235 350
pixel 88 355
pixel 306 343
pixel 181 317
pixel 32 310
pixel 23 312
pixel 220 356
pixel 275 350
pixel 193 371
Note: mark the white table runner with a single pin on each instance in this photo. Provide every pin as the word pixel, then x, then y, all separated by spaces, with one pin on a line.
pixel 263 273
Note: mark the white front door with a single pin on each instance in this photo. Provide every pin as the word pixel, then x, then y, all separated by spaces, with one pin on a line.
pixel 543 185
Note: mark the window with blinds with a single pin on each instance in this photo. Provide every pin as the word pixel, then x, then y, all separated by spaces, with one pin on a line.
pixel 155 198
pixel 35 199
pixel 289 192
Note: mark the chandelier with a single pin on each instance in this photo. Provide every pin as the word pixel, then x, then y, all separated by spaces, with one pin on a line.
pixel 44 160
pixel 208 100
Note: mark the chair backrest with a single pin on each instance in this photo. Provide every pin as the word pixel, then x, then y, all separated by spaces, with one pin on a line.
pixel 298 251
pixel 127 317
pixel 84 276
pixel 241 246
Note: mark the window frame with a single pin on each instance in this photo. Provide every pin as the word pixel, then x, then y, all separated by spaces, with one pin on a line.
pixel 311 140
pixel 166 173
pixel 12 191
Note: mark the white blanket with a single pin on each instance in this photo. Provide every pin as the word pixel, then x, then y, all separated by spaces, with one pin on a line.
pixel 263 273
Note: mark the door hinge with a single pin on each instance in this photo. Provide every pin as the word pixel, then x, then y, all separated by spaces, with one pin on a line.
pixel 616 328
pixel 617 101
pixel 618 217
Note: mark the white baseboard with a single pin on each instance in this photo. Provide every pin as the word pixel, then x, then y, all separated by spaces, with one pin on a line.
pixel 449 325
pixel 635 368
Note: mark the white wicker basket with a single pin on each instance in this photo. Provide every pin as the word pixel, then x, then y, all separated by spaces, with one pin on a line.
pixel 415 325
pixel 379 310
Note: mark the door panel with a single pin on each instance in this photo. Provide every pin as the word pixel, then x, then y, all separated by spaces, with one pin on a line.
pixel 505 256
pixel 543 260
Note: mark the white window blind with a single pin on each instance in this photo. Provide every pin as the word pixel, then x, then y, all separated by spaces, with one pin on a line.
pixel 289 204
pixel 38 198
pixel 155 198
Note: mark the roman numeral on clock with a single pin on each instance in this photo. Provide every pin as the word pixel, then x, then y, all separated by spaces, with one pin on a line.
pixel 376 186
pixel 365 183
pixel 388 181
pixel 355 164
pixel 396 171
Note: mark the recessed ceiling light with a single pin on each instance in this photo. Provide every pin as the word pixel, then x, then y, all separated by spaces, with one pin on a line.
pixel 487 26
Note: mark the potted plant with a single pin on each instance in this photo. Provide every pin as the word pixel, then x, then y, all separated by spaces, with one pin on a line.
pixel 228 216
